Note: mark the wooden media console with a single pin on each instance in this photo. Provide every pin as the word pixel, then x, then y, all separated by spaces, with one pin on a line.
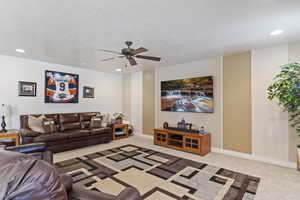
pixel 184 141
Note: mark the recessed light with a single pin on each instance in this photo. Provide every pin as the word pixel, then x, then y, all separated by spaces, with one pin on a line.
pixel 20 50
pixel 276 32
pixel 119 70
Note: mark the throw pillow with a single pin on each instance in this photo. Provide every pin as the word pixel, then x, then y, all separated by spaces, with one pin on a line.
pixel 105 120
pixel 49 125
pixel 96 122
pixel 36 123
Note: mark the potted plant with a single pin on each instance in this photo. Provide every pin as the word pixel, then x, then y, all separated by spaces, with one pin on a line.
pixel 119 117
pixel 286 88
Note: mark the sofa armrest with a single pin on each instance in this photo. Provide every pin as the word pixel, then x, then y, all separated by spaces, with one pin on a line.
pixel 37 150
pixel 67 181
pixel 129 194
pixel 109 124
pixel 46 156
pixel 28 133
pixel 2 146
pixel 28 148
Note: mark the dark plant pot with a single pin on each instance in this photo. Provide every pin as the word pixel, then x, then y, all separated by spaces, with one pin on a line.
pixel 119 121
pixel 298 157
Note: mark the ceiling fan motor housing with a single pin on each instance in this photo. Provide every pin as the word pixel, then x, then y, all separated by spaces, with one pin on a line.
pixel 128 52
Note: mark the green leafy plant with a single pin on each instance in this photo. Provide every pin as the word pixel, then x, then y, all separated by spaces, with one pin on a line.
pixel 118 115
pixel 286 88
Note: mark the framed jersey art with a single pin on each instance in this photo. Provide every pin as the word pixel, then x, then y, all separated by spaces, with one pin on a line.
pixel 61 87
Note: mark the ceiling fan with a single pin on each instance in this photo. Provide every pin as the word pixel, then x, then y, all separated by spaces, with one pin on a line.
pixel 130 54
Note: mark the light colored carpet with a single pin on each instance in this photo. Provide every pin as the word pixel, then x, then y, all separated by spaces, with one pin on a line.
pixel 155 174
pixel 276 182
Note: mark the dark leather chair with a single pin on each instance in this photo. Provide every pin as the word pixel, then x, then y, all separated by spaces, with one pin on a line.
pixel 28 178
pixel 37 150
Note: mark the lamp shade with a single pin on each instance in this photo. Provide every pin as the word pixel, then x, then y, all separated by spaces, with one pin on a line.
pixel 4 110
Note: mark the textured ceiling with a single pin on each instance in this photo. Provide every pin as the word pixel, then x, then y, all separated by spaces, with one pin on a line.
pixel 70 31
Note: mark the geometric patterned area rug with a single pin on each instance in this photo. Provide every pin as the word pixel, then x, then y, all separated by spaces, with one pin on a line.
pixel 157 176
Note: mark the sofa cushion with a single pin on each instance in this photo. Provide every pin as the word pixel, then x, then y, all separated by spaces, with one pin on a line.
pixel 55 117
pixel 85 124
pixel 87 116
pixel 49 125
pixel 50 137
pixel 85 119
pixel 69 122
pixel 96 131
pixel 70 126
pixel 68 118
pixel 77 133
pixel 96 122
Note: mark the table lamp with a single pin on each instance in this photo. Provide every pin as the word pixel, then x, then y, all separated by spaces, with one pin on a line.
pixel 4 112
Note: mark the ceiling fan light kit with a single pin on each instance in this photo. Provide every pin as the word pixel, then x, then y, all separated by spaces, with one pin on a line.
pixel 130 54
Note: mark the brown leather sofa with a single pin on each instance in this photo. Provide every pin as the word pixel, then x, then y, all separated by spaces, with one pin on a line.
pixel 73 132
pixel 27 178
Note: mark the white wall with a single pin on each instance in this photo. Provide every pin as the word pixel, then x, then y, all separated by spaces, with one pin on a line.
pixel 269 124
pixel 126 96
pixel 211 121
pixel 137 101
pixel 108 89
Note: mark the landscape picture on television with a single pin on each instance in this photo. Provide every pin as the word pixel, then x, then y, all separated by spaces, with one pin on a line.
pixel 188 95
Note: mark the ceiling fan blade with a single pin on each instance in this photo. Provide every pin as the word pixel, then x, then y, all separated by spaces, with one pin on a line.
pixel 140 50
pixel 148 57
pixel 107 59
pixel 115 52
pixel 132 61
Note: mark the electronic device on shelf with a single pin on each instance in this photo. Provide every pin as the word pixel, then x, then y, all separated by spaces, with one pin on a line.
pixel 183 130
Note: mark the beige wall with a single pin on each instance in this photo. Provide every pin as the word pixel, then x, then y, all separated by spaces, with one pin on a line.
pixel 126 94
pixel 237 103
pixel 294 139
pixel 148 101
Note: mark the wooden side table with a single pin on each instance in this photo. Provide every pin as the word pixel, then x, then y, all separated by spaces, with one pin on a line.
pixel 11 134
pixel 124 127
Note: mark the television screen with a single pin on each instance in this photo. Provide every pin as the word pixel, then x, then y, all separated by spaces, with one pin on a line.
pixel 188 95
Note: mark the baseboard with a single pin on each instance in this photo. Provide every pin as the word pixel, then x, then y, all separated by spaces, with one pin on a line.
pixel 242 155
pixel 256 158
pixel 144 135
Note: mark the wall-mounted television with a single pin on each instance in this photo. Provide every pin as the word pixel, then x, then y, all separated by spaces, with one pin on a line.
pixel 188 95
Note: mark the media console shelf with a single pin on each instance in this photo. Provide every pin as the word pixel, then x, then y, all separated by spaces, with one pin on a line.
pixel 184 141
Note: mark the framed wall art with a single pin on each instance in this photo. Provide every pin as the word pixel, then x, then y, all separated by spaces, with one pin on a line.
pixel 88 92
pixel 188 95
pixel 27 89
pixel 61 87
